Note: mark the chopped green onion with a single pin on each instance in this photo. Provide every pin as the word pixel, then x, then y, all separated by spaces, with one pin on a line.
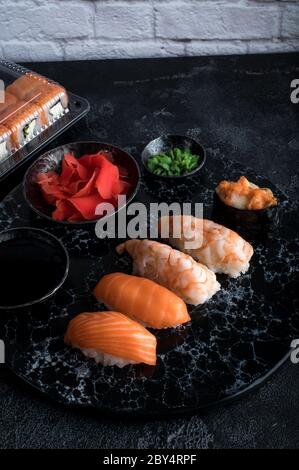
pixel 176 162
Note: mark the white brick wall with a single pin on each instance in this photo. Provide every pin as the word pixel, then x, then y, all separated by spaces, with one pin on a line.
pixel 90 29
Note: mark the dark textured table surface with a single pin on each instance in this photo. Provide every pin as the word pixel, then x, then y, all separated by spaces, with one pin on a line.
pixel 237 106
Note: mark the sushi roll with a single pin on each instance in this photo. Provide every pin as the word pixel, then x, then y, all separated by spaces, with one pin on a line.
pixel 51 97
pixel 5 142
pixel 26 84
pixel 222 250
pixel 134 296
pixel 53 101
pixel 245 207
pixel 24 121
pixel 112 339
pixel 191 281
pixel 9 100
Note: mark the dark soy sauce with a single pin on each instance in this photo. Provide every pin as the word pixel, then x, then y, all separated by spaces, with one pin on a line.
pixel 31 268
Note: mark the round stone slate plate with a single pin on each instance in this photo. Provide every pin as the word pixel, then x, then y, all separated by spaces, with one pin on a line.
pixel 233 343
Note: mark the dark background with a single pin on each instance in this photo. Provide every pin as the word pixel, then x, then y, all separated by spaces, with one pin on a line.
pixel 237 106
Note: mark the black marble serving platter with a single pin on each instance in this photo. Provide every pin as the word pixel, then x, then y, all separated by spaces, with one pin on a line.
pixel 234 342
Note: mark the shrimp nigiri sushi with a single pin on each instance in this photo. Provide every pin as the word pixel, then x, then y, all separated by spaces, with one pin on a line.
pixel 111 338
pixel 178 272
pixel 222 250
pixel 135 297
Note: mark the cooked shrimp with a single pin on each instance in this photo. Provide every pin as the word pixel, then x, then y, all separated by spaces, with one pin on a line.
pixel 176 271
pixel 222 250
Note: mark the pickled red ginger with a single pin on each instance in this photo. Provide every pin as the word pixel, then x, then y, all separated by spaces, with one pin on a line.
pixel 82 184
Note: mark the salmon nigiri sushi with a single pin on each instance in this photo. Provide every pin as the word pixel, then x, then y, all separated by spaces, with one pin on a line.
pixel 112 339
pixel 191 281
pixel 135 297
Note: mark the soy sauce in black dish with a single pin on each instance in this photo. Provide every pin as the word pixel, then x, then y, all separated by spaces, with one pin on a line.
pixel 34 265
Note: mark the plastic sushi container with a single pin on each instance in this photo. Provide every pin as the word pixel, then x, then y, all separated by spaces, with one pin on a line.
pixel 33 111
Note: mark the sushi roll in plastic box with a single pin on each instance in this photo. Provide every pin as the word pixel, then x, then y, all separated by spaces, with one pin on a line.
pixel 33 111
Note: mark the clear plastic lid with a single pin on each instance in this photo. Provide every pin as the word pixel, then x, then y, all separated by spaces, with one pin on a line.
pixel 31 104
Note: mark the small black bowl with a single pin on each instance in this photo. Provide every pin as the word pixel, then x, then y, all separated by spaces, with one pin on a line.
pixel 51 161
pixel 35 265
pixel 165 143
